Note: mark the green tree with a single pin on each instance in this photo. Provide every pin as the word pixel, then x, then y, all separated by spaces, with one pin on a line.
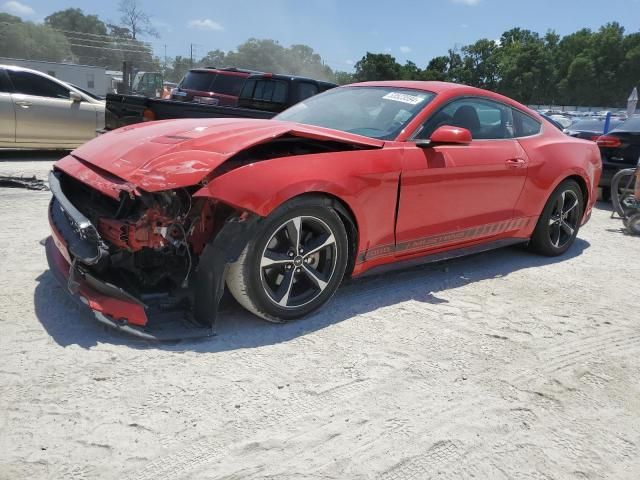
pixel 377 66
pixel 179 67
pixel 480 64
pixel 34 42
pixel 6 18
pixel 87 35
pixel 215 58
pixel 437 69
pixel 343 78
pixel 410 71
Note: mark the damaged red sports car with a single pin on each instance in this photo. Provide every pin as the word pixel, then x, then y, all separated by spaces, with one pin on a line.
pixel 150 222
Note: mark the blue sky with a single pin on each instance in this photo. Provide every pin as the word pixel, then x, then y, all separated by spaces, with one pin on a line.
pixel 343 30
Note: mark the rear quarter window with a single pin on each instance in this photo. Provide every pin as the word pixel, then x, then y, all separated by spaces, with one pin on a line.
pixel 524 125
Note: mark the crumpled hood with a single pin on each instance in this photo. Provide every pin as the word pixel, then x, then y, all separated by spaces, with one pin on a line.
pixel 178 153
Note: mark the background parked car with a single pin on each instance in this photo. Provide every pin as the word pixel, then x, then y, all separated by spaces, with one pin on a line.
pixel 211 86
pixel 263 95
pixel 620 149
pixel 590 129
pixel 39 111
pixel 562 120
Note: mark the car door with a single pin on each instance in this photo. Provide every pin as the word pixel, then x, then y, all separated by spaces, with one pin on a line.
pixel 454 194
pixel 46 114
pixel 7 112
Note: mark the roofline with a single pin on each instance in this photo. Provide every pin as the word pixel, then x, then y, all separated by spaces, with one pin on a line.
pixel 2 59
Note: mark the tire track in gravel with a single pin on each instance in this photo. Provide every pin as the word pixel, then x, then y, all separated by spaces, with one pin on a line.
pixel 571 353
pixel 423 466
pixel 209 450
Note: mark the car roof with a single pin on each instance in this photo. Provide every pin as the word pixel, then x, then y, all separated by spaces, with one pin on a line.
pixel 448 88
pixel 284 76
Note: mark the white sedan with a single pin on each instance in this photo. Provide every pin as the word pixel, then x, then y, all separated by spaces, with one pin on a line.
pixel 40 111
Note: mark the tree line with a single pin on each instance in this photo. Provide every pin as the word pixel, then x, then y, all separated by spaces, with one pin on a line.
pixel 583 68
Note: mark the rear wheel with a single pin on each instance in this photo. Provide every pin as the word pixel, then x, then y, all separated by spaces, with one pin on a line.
pixel 559 223
pixel 295 263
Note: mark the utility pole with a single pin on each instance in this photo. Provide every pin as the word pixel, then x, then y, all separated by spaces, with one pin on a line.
pixel 164 67
pixel 191 55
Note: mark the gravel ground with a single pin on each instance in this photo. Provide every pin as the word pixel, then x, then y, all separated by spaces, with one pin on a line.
pixel 504 365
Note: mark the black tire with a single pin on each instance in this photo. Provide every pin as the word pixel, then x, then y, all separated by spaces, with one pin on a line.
pixel 278 287
pixel 622 185
pixel 555 232
pixel 633 224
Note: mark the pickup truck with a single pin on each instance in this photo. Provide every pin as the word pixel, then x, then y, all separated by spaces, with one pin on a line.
pixel 263 95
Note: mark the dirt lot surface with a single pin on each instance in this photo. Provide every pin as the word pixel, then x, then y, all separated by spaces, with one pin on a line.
pixel 505 365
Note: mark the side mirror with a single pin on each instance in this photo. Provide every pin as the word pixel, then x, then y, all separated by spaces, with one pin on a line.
pixel 447 135
pixel 75 97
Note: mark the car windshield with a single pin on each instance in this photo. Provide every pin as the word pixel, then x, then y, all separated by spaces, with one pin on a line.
pixel 376 112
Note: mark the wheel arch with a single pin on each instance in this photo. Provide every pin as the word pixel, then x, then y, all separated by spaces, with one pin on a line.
pixel 347 217
pixel 582 183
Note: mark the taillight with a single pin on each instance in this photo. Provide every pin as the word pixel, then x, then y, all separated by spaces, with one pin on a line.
pixel 148 115
pixel 594 138
pixel 607 141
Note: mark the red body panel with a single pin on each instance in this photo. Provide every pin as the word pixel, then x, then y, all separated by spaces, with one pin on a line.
pixel 406 201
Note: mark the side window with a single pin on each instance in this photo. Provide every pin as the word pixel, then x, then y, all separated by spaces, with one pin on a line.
pixel 29 83
pixel 306 90
pixel 248 88
pixel 270 91
pixel 525 126
pixel 4 82
pixel 485 119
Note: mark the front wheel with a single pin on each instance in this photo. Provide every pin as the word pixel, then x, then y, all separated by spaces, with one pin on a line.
pixel 559 223
pixel 295 263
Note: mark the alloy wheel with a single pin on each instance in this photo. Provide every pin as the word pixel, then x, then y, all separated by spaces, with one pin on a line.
pixel 298 262
pixel 564 218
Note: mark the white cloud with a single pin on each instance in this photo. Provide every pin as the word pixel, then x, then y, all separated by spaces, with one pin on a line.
pixel 17 8
pixel 388 49
pixel 464 25
pixel 349 62
pixel 206 24
pixel 405 49
pixel 466 2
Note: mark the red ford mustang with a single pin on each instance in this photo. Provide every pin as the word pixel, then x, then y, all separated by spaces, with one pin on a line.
pixel 151 221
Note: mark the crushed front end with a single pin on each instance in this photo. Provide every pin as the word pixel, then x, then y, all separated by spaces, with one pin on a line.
pixel 150 264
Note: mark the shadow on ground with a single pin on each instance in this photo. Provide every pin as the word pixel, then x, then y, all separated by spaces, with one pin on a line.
pixel 71 324
pixel 7 155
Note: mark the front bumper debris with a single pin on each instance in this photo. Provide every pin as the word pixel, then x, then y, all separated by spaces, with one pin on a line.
pixel 115 308
pixel 74 245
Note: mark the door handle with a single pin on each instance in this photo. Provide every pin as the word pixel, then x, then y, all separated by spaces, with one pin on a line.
pixel 23 103
pixel 516 163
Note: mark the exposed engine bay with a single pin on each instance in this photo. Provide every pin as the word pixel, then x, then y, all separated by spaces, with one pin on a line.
pixel 153 239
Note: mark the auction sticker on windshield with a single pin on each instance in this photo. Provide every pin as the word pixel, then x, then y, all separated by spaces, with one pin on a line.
pixel 404 98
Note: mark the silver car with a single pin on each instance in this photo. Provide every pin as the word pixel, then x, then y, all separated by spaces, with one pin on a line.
pixel 40 111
